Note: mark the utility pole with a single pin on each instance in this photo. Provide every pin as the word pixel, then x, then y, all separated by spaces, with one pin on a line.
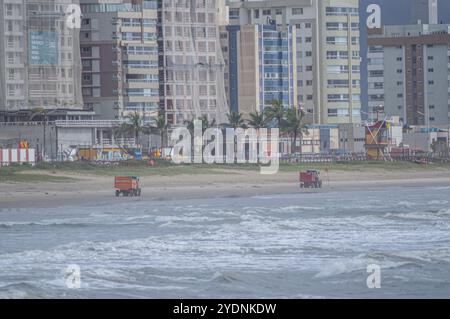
pixel 44 140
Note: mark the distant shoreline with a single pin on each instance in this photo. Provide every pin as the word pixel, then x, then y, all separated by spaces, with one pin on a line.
pixel 85 189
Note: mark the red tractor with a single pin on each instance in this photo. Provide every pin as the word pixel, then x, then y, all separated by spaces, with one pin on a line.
pixel 310 179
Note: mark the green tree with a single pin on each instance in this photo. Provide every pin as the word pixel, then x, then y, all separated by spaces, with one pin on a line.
pixel 134 125
pixel 294 126
pixel 276 112
pixel 206 124
pixel 236 120
pixel 162 126
pixel 258 120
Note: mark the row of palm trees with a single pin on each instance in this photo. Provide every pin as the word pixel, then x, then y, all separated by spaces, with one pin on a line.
pixel 136 126
pixel 290 121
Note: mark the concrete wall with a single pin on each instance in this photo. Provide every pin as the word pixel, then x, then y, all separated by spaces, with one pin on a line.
pixel 69 137
pixel 10 136
pixel 56 139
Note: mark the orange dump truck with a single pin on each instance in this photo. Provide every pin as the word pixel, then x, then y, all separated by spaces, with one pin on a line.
pixel 127 186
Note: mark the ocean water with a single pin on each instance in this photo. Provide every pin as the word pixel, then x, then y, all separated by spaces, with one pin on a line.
pixel 305 245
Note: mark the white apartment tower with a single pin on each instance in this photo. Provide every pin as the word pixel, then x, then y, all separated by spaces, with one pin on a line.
pixel 39 57
pixel 191 61
pixel 328 52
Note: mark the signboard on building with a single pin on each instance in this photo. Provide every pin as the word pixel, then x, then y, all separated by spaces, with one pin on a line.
pixel 43 48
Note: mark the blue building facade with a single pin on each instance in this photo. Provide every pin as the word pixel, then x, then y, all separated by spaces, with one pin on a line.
pixel 277 66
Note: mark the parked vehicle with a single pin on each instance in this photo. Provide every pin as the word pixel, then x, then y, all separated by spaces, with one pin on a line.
pixel 127 186
pixel 310 179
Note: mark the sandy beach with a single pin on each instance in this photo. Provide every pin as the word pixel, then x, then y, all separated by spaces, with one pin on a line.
pixel 227 183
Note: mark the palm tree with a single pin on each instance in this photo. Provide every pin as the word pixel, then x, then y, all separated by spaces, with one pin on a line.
pixel 276 112
pixel 236 120
pixel 162 126
pixel 257 120
pixel 206 124
pixel 190 126
pixel 295 126
pixel 134 125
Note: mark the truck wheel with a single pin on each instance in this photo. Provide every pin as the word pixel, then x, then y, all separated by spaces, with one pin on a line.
pixel 131 193
pixel 117 193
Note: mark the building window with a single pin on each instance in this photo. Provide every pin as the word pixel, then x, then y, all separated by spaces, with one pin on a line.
pixel 234 14
pixel 430 70
pixel 376 49
pixel 308 25
pixel 336 40
pixel 267 12
pixel 256 13
pixel 399 59
pixel 297 11
pixel 376 73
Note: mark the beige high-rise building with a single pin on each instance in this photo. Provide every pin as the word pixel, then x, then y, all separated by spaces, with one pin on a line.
pixel 328 51
pixel 119 53
pixel 39 58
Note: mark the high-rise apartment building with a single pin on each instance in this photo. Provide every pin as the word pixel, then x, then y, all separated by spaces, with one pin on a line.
pixel 119 54
pixel 39 57
pixel 328 54
pixel 191 60
pixel 261 66
pixel 409 72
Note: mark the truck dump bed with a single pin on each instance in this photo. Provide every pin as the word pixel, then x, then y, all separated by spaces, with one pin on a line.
pixel 126 182
pixel 306 177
